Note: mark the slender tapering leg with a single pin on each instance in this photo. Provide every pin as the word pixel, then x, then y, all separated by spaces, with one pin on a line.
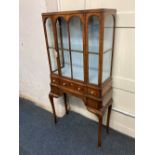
pixel 108 118
pixel 100 117
pixel 65 102
pixel 52 103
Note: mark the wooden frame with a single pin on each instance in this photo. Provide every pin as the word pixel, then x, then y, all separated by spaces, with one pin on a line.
pixel 97 98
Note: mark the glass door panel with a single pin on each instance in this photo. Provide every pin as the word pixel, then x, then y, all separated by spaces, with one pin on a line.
pixel 51 47
pixel 76 41
pixel 107 43
pixel 93 48
pixel 63 47
pixel 93 68
pixel 106 65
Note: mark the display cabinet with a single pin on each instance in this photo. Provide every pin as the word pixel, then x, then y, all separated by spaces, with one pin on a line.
pixel 80 47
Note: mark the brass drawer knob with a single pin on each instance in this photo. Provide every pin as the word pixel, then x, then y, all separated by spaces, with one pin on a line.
pixel 79 88
pixel 71 84
pixel 64 84
pixel 92 92
pixel 53 80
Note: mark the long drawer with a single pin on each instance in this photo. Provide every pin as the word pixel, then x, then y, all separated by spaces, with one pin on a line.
pixel 73 86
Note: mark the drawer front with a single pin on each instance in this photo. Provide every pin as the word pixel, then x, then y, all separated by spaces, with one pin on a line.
pixel 54 80
pixel 77 87
pixel 55 90
pixel 64 83
pixel 93 92
pixel 93 103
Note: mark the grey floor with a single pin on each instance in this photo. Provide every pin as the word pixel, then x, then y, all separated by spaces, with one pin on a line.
pixel 72 135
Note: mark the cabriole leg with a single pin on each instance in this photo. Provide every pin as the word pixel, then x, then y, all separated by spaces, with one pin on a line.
pixel 65 102
pixel 100 118
pixel 53 108
pixel 108 118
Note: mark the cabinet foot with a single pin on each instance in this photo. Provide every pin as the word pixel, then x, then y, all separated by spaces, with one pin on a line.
pixel 108 118
pixel 65 102
pixel 53 108
pixel 100 118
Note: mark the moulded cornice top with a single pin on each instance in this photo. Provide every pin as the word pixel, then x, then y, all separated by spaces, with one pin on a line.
pixel 112 11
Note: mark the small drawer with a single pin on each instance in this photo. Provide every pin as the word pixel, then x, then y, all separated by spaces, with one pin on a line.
pixel 55 80
pixel 93 103
pixel 77 87
pixel 80 89
pixel 94 92
pixel 72 85
pixel 64 83
pixel 55 90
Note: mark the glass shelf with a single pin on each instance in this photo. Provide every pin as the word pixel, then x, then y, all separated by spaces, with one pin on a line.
pixel 79 51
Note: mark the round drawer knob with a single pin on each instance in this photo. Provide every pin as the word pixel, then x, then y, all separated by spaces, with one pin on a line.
pixel 53 80
pixel 79 89
pixel 64 84
pixel 92 92
pixel 71 84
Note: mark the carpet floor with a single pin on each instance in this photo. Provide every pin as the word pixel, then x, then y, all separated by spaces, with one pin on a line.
pixel 72 135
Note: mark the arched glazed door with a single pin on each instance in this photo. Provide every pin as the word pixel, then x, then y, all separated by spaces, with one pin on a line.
pixel 76 42
pixel 93 48
pixel 51 45
pixel 70 47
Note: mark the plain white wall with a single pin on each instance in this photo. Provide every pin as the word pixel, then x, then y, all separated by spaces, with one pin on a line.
pixel 34 69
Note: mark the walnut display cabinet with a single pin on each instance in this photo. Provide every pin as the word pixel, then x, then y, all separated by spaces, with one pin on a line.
pixel 80 47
